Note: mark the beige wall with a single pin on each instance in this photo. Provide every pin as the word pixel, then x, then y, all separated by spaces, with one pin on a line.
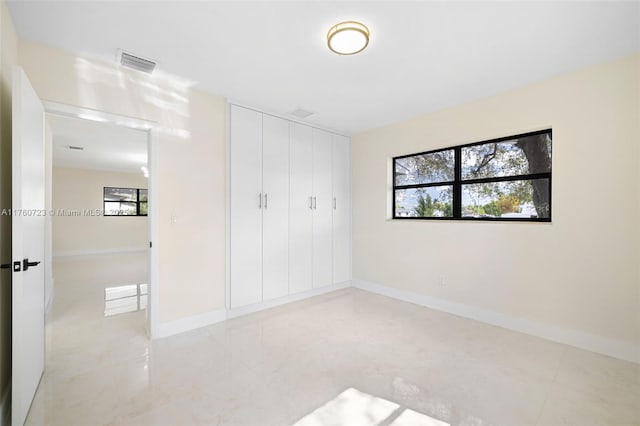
pixel 78 189
pixel 8 58
pixel 579 272
pixel 190 163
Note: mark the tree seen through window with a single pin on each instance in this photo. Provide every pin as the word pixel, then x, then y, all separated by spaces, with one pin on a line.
pixel 507 178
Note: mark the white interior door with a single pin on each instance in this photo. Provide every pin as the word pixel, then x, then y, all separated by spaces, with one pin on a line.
pixel 341 209
pixel 300 217
pixel 322 208
pixel 246 207
pixel 275 214
pixel 27 245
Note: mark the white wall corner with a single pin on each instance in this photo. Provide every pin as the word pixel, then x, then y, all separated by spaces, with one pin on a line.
pixel 5 406
pixel 591 342
pixel 181 325
pixel 49 301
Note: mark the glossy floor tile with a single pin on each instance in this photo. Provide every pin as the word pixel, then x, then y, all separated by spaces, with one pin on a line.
pixel 345 358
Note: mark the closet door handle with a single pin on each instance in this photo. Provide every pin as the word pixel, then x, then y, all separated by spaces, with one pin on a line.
pixel 260 200
pixel 310 202
pixel 315 203
pixel 265 200
pixel 335 203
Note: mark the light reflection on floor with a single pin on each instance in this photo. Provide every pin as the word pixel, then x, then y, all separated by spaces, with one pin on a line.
pixel 353 407
pixel 125 298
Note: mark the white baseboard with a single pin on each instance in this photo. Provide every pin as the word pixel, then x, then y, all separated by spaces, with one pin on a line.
pixel 91 252
pixel 591 342
pixel 5 406
pixel 208 318
pixel 190 323
pixel 236 312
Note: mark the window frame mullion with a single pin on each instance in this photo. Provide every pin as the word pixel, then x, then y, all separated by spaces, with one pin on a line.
pixel 457 182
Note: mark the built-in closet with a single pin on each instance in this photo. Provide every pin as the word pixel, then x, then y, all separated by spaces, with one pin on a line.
pixel 290 208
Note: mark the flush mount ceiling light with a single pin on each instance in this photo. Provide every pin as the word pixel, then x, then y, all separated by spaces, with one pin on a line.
pixel 348 38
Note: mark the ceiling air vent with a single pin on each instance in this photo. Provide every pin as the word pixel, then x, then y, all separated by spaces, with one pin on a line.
pixel 136 62
pixel 301 113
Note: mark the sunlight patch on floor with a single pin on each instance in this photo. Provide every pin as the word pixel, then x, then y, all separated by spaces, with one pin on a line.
pixel 355 408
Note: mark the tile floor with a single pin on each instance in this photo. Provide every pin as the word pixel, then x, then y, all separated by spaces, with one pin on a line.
pixel 346 358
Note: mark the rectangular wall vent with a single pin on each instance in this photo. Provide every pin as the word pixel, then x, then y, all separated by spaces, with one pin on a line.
pixel 136 62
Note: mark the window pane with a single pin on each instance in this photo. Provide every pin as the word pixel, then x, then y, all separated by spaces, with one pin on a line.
pixel 119 209
pixel 144 208
pixel 144 195
pixel 527 155
pixel 434 201
pixel 425 168
pixel 120 194
pixel 515 199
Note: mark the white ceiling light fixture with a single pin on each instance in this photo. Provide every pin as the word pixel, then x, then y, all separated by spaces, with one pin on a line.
pixel 348 38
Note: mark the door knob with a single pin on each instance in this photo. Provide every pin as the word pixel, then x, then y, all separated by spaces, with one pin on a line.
pixel 26 264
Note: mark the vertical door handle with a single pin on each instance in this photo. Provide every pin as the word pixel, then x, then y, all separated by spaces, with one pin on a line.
pixel 260 200
pixel 311 202
pixel 265 200
pixel 335 203
pixel 315 203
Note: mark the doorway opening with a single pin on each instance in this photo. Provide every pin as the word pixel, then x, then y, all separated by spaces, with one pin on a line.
pixel 101 226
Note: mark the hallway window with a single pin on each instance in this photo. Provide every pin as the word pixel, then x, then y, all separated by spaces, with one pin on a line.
pixel 125 201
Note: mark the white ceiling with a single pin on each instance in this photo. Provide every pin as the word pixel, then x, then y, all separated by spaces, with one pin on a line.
pixel 106 146
pixel 423 56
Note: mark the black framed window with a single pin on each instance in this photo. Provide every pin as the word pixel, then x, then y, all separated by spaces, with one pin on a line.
pixel 500 179
pixel 125 201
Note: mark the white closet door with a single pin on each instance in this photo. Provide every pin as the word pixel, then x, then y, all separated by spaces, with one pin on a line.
pixel 341 209
pixel 246 203
pixel 275 213
pixel 300 218
pixel 322 208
